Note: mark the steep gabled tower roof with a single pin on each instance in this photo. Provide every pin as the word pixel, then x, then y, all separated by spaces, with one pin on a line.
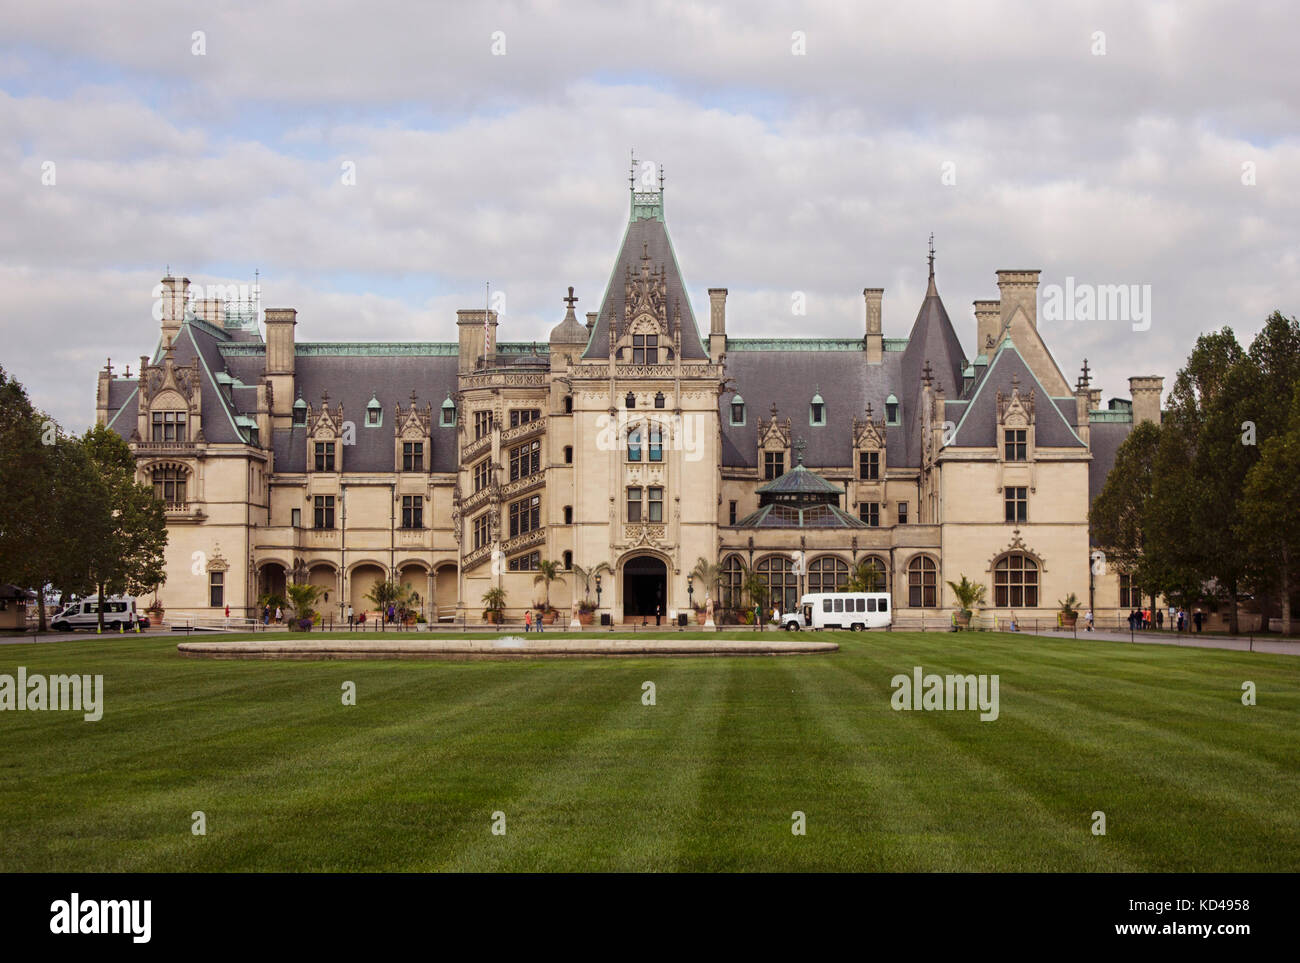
pixel 646 236
pixel 932 341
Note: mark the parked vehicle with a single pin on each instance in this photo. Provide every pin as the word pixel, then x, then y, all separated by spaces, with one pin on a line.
pixel 857 611
pixel 84 614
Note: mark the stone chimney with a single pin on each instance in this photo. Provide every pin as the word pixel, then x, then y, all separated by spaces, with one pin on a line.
pixel 210 310
pixel 591 320
pixel 1146 391
pixel 469 324
pixel 1018 289
pixel 875 342
pixel 280 323
pixel 988 324
pixel 175 292
pixel 717 323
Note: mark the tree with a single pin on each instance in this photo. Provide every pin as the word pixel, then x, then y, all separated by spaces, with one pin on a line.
pixel 708 575
pixel 587 575
pixel 125 532
pixel 494 604
pixel 24 479
pixel 968 594
pixel 1269 520
pixel 303 597
pixel 548 572
pixel 388 593
pixel 866 577
pixel 1120 514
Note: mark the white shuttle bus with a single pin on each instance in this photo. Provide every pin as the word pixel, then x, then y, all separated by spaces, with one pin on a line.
pixel 857 611
pixel 84 614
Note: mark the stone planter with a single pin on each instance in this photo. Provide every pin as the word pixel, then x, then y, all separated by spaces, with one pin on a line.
pixel 1069 621
pixel 700 617
pixel 548 618
pixel 584 618
pixel 962 620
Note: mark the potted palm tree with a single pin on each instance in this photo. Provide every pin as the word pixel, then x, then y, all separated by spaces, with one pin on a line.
pixel 494 605
pixel 1069 611
pixel 587 607
pixel 303 598
pixel 389 593
pixel 968 594
pixel 548 572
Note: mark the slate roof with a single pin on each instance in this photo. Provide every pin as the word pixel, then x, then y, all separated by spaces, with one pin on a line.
pixel 352 380
pixel 1106 437
pixel 932 340
pixel 978 425
pixel 645 232
pixel 790 378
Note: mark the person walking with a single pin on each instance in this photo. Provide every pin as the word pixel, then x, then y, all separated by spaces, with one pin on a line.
pixel 540 621
pixel 1087 620
pixel 279 615
pixel 528 620
pixel 266 615
pixel 758 618
pixel 1160 619
pixel 1198 617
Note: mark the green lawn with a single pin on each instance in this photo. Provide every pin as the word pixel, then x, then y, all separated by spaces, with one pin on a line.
pixel 707 779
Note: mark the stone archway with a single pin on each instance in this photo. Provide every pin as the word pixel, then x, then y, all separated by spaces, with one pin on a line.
pixel 414 576
pixel 445 594
pixel 361 582
pixel 644 587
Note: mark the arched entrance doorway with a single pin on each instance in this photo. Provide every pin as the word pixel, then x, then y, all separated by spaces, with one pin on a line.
pixel 645 587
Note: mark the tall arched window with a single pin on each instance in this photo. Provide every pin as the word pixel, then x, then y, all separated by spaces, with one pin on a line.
pixel 872 571
pixel 828 574
pixel 782 583
pixel 169 486
pixel 733 578
pixel 922 583
pixel 1015 582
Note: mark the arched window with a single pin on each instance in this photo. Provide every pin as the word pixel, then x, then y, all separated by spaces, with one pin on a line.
pixel 828 574
pixel 1015 582
pixel 782 583
pixel 568 516
pixel 568 561
pixel 922 583
pixel 872 571
pixel 169 486
pixel 568 404
pixel 659 399
pixel 629 401
pixel 733 578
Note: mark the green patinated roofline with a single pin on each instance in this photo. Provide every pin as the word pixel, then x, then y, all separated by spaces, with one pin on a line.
pixel 794 344
pixel 418 349
pixel 1104 415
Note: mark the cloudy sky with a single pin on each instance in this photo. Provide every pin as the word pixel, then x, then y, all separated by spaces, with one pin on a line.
pixel 807 148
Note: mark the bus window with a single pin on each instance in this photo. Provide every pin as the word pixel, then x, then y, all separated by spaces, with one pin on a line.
pixel 871 605
pixel 862 606
pixel 839 605
pixel 884 605
pixel 826 605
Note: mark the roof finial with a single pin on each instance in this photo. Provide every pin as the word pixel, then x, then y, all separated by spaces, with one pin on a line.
pixel 1084 379
pixel 799 446
pixel 932 255
pixel 631 173
pixel 570 300
pixel 661 178
pixel 927 374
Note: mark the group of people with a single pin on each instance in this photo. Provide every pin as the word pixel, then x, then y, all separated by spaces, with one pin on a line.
pixel 266 614
pixel 531 621
pixel 1141 619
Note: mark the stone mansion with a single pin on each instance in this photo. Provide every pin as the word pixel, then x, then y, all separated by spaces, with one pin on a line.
pixel 632 438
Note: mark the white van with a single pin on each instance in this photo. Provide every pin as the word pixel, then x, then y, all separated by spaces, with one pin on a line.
pixel 118 610
pixel 857 611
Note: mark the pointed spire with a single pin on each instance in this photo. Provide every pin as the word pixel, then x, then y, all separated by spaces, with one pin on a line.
pixel 931 289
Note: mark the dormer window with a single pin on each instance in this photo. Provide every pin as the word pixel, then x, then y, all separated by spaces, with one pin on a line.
pixel 629 401
pixel 168 426
pixel 891 410
pixel 659 399
pixel 738 410
pixel 1015 444
pixel 448 413
pixel 645 349
pixel 374 413
pixel 299 413
pixel 817 410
